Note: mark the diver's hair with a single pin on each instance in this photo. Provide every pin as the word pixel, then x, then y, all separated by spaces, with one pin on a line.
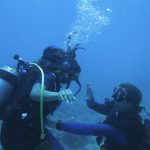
pixel 134 94
pixel 50 52
pixel 52 58
pixel 74 67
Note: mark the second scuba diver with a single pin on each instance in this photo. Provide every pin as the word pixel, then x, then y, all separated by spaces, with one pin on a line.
pixel 123 128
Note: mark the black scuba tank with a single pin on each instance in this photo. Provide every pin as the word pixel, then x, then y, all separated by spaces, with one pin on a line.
pixel 8 81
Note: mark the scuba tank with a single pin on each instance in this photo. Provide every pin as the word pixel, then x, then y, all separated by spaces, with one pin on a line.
pixel 9 77
pixel 8 81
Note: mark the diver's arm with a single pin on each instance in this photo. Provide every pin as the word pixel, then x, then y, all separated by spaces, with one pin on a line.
pixel 91 103
pixel 93 129
pixel 64 95
pixel 100 108
pixel 48 95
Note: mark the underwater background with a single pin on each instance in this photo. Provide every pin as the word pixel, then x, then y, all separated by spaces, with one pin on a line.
pixel 115 34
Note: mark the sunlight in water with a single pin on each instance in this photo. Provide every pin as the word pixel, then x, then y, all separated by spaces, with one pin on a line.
pixel 90 19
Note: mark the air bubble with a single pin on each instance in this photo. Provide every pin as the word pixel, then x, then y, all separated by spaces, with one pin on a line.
pixel 89 22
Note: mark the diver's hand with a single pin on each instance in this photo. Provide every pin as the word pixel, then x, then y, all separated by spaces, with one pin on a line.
pixel 89 92
pixel 51 123
pixel 66 95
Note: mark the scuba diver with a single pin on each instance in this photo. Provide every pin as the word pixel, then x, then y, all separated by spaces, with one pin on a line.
pixel 122 129
pixel 31 91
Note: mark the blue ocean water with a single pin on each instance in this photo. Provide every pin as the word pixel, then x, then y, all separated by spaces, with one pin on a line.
pixel 115 34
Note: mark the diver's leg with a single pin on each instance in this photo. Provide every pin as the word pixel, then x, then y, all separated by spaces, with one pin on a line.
pixel 52 142
pixel 6 137
pixel 15 137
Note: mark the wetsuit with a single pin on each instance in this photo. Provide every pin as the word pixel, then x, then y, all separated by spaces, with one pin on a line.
pixel 24 133
pixel 122 131
pixel 130 123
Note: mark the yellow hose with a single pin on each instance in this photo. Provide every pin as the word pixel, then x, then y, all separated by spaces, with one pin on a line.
pixel 41 100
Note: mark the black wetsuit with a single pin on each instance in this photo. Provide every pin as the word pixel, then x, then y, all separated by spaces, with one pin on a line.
pixel 24 133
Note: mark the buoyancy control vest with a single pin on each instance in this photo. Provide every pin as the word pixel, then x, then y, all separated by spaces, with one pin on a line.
pixel 132 125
